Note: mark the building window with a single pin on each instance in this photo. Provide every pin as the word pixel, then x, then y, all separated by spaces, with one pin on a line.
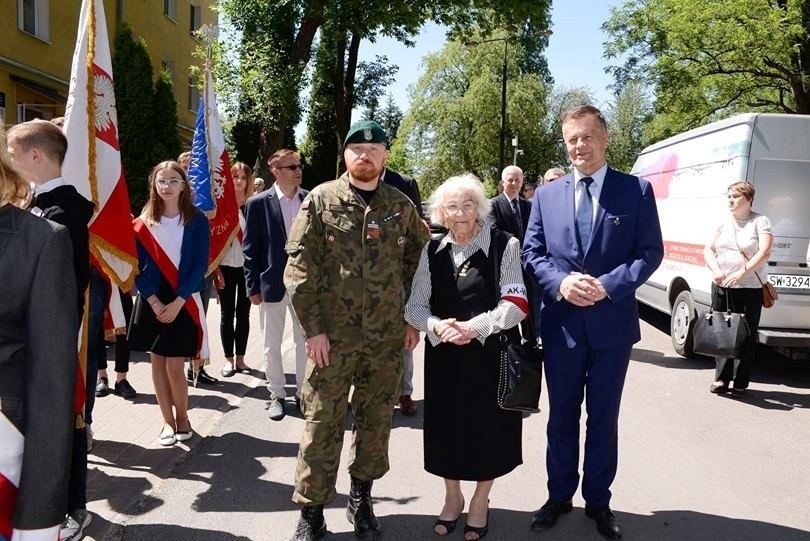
pixel 32 18
pixel 195 21
pixel 170 9
pixel 193 94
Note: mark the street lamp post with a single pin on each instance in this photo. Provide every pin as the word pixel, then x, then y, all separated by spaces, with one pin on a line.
pixel 504 75
pixel 503 107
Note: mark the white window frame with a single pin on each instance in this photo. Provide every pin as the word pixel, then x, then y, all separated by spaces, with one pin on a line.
pixel 41 16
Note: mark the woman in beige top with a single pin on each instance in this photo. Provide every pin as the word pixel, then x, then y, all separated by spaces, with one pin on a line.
pixel 737 254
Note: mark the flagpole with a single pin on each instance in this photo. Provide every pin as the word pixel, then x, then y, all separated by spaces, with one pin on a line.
pixel 210 33
pixel 91 101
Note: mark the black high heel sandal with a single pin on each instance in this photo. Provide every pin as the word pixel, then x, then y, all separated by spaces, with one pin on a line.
pixel 481 531
pixel 449 525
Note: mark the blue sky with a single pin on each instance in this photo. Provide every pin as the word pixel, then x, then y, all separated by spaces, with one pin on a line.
pixel 574 52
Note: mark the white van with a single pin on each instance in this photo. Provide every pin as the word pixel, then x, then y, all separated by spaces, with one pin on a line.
pixel 690 174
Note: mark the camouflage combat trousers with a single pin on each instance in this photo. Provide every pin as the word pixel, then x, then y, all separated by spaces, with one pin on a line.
pixel 376 372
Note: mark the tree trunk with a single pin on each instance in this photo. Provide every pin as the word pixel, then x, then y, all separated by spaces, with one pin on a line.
pixel 273 136
pixel 345 76
pixel 339 78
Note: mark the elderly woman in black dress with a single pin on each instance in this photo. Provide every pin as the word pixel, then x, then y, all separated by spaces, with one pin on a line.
pixel 464 303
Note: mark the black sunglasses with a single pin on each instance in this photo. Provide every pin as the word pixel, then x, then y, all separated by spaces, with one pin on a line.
pixel 293 167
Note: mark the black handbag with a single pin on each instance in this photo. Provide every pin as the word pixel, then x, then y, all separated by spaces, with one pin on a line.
pixel 721 333
pixel 520 376
pixel 521 367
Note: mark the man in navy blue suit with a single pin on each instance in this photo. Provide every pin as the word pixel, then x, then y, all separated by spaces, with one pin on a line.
pixel 268 218
pixel 593 237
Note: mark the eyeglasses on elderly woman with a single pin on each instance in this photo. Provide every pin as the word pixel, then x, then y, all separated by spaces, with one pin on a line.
pixel 466 207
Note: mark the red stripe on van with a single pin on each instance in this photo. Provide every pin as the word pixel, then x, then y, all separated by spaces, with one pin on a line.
pixel 682 252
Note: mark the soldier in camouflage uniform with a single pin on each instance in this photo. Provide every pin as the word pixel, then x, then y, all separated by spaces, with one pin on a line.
pixel 353 248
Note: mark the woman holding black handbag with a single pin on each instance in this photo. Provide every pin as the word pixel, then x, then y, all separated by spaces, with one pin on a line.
pixel 736 255
pixel 464 307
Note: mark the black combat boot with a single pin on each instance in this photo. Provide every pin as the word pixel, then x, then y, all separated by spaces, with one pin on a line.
pixel 311 525
pixel 360 510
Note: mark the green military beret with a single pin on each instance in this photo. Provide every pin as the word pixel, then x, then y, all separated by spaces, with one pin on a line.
pixel 366 131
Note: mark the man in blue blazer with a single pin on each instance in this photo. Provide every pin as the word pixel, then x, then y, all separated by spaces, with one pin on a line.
pixel 268 218
pixel 593 237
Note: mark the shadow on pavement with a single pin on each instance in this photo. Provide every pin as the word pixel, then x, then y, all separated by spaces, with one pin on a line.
pixel 231 466
pixel 127 490
pixel 177 533
pixel 664 525
pixel 773 400
pixel 657 358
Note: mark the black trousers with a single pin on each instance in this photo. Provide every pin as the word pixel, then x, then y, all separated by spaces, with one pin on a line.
pixel 121 343
pixel 77 484
pixel 742 300
pixel 235 304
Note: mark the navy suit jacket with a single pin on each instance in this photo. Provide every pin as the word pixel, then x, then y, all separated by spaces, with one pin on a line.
pixel 502 215
pixel 626 247
pixel 263 245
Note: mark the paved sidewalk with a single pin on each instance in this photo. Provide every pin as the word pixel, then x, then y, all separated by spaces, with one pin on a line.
pixel 127 462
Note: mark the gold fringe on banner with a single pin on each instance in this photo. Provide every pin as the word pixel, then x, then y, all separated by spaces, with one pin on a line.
pixel 91 102
pixel 97 243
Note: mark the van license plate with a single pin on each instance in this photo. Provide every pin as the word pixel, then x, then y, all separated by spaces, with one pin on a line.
pixel 790 281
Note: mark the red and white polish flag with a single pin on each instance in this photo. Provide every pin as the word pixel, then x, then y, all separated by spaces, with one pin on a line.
pixel 93 160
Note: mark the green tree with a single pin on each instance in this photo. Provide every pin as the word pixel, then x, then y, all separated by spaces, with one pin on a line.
pixel 390 117
pixel 134 96
pixel 166 141
pixel 246 133
pixel 453 124
pixel 269 74
pixel 708 60
pixel 320 147
pixel 560 101
pixel 626 117
pixel 277 40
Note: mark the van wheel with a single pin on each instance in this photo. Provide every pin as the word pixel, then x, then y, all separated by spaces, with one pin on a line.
pixel 682 323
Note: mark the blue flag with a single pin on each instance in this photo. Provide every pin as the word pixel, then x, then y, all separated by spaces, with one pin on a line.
pixel 199 171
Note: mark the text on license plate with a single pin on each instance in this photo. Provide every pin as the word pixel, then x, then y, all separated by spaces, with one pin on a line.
pixel 790 281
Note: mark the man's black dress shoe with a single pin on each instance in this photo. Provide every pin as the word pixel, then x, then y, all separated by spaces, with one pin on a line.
pixel 606 523
pixel 546 517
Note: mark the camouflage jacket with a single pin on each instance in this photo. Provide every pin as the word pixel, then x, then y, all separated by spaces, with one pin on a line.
pixel 349 263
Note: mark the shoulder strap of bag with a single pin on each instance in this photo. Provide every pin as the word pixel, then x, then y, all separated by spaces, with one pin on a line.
pixel 739 249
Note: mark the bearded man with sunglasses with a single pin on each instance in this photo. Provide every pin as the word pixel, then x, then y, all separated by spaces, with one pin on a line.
pixel 268 219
